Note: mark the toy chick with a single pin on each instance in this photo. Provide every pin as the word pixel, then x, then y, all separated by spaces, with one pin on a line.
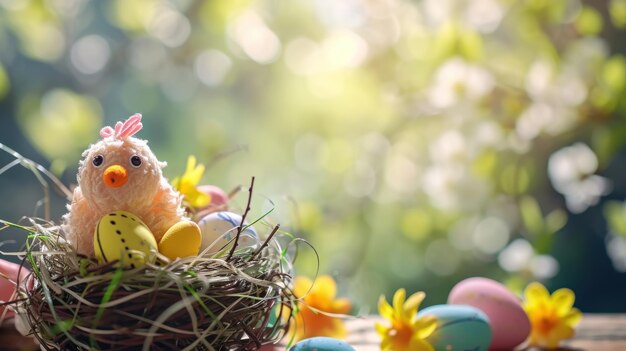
pixel 120 173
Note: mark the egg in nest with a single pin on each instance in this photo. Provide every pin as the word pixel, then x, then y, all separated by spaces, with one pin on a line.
pixel 122 236
pixel 219 229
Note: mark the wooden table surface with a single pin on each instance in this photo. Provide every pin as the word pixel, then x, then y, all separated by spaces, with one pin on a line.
pixel 597 332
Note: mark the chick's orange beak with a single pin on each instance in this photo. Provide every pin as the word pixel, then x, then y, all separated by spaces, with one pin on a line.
pixel 115 176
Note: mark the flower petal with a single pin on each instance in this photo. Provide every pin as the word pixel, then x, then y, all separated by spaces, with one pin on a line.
pixel 385 344
pixel 534 339
pixel 195 175
pixel 563 300
pixel 559 333
pixel 573 317
pixel 197 198
pixel 325 288
pixel 191 164
pixel 381 329
pixel 316 306
pixel 384 309
pixel 186 188
pixel 336 330
pixel 341 306
pixel 425 326
pixel 413 303
pixel 536 293
pixel 398 302
pixel 301 286
pixel 418 344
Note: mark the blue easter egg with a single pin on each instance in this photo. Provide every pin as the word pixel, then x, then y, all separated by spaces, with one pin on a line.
pixel 321 343
pixel 459 328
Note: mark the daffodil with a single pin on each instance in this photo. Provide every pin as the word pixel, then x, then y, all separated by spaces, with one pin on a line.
pixel 317 304
pixel 187 184
pixel 407 332
pixel 552 317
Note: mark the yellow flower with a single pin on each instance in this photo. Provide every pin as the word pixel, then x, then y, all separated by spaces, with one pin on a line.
pixel 315 303
pixel 186 184
pixel 407 331
pixel 552 317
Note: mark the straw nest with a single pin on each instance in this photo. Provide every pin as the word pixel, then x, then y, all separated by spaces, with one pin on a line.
pixel 238 301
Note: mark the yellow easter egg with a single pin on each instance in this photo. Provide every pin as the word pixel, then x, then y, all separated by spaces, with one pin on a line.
pixel 122 236
pixel 183 239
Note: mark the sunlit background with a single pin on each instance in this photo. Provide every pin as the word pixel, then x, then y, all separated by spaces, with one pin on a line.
pixel 412 143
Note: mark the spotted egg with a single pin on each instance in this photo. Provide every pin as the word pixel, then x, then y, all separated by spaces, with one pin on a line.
pixel 220 228
pixel 122 236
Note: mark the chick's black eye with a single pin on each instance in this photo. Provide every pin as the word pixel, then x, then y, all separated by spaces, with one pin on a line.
pixel 135 161
pixel 98 160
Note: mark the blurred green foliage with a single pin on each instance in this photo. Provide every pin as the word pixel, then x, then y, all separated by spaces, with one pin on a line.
pixel 413 143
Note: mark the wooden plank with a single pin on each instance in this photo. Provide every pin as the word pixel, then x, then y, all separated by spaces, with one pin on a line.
pixel 597 332
pixel 602 332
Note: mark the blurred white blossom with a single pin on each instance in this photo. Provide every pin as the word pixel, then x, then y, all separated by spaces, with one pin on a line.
pixel 450 146
pixel 452 187
pixel 616 249
pixel 169 26
pixel 255 38
pixel 401 173
pixel 491 235
pixel 457 82
pixel 481 15
pixel 555 95
pixel 516 256
pixel 519 256
pixel 90 54
pixel 571 171
pixel 212 66
pixel 544 266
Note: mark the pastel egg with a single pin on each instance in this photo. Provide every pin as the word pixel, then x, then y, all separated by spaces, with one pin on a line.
pixel 509 322
pixel 219 228
pixel 122 236
pixel 218 196
pixel 321 343
pixel 181 240
pixel 459 328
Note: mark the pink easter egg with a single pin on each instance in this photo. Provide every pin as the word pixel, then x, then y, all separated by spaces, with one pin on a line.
pixel 9 272
pixel 508 320
pixel 218 196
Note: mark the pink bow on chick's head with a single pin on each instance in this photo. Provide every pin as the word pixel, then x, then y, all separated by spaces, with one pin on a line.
pixel 123 130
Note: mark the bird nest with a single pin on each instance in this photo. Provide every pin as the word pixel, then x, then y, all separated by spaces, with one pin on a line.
pixel 238 301
pixel 235 299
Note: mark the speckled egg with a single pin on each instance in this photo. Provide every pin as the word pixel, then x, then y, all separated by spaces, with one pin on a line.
pixel 459 328
pixel 122 236
pixel 509 322
pixel 321 343
pixel 219 228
